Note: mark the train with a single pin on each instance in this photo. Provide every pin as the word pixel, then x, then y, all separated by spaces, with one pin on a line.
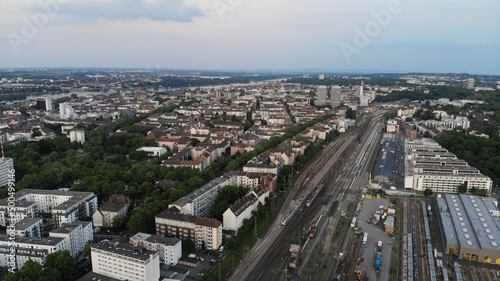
pixel 295 208
pixel 313 196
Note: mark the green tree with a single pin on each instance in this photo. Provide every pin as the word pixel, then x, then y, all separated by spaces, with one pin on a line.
pixel 63 262
pixel 194 141
pixel 427 192
pixel 188 246
pixel 462 188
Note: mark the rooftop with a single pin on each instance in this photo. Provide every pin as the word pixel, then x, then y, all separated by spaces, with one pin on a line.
pixel 467 221
pixel 138 253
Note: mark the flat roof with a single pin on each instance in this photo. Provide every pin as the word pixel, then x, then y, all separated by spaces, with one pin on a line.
pixel 467 221
pixel 70 227
pixel 122 249
pixel 49 241
pixel 200 191
pixel 92 276
pixel 27 222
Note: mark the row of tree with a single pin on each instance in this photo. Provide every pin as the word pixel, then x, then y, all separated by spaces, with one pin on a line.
pixel 58 266
pixel 482 153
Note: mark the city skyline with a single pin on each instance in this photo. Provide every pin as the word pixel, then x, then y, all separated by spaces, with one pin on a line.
pixel 392 36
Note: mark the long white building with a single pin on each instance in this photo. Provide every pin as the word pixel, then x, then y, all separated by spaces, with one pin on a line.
pixel 65 206
pixel 29 248
pixel 202 200
pixel 125 262
pixel 429 166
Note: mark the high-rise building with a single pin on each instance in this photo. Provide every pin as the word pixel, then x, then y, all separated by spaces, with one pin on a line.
pixel 335 96
pixel 469 84
pixel 6 165
pixel 321 77
pixel 48 104
pixel 66 111
pixel 321 95
pixel 77 135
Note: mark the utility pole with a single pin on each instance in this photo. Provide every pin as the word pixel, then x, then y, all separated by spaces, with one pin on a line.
pixel 219 267
pixel 255 229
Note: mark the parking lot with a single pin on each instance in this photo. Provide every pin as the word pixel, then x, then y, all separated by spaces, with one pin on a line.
pixel 375 234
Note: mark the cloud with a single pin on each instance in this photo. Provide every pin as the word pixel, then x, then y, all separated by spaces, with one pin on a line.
pixel 85 11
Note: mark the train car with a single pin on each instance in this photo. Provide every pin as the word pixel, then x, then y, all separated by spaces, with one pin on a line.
pixel 312 232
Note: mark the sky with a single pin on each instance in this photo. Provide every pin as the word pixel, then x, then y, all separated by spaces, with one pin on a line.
pixel 459 36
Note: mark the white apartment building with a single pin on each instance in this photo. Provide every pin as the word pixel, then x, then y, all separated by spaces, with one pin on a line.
pixel 21 210
pixel 65 206
pixel 242 209
pixel 29 248
pixel 201 201
pixel 208 232
pixel 125 262
pixel 262 164
pixel 66 111
pixel 77 135
pixel 244 179
pixel 76 234
pixel 29 227
pixel 239 211
pixel 429 166
pixel 169 249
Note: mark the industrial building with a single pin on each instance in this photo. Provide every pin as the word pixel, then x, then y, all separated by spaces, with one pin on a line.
pixel 470 227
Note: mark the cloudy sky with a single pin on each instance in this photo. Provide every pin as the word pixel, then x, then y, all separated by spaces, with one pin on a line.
pixel 393 35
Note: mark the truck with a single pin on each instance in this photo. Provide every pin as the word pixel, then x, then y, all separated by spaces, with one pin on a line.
pixel 365 238
pixel 378 260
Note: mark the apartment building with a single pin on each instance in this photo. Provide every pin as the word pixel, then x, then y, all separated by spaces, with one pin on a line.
pixel 169 249
pixel 201 201
pixel 173 223
pixel 29 248
pixel 29 227
pixel 429 166
pixel 77 235
pixel 20 211
pixel 239 211
pixel 65 206
pixel 125 262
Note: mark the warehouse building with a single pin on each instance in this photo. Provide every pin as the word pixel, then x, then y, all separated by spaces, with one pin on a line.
pixel 470 226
